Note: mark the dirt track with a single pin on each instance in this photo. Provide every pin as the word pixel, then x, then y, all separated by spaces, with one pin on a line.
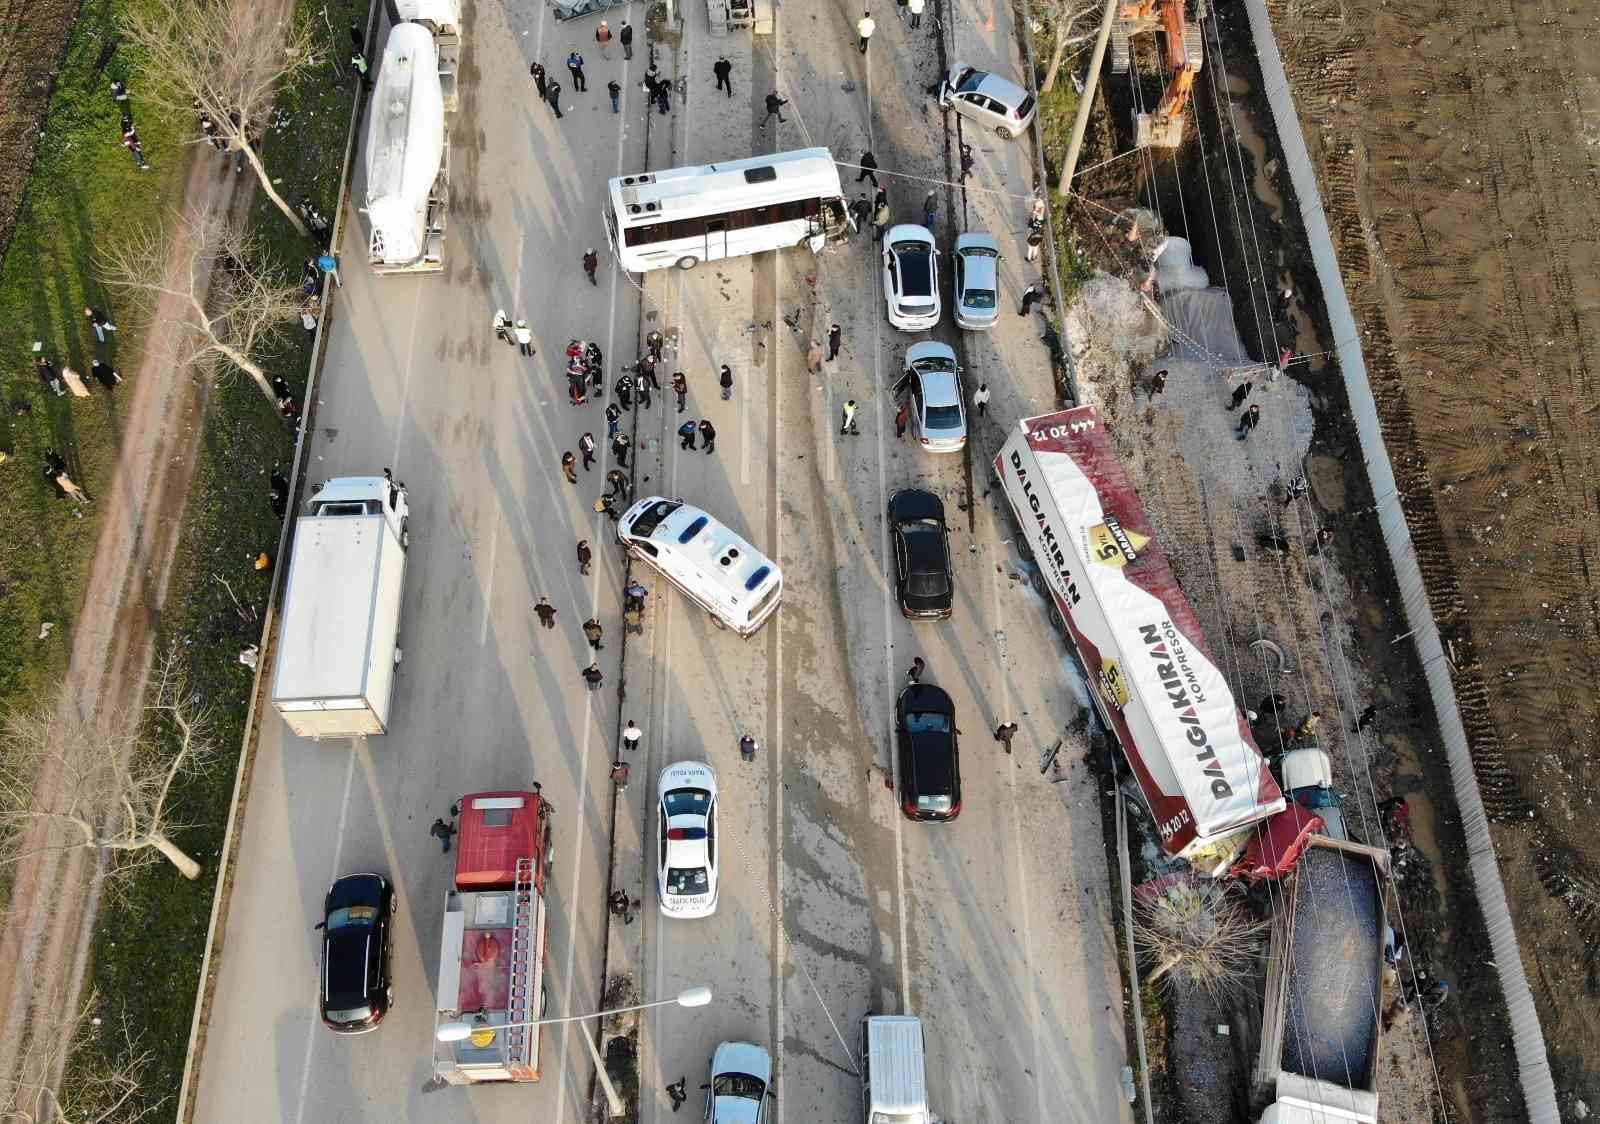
pixel 1457 161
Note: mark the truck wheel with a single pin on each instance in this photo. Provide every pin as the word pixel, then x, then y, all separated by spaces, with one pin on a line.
pixel 1055 617
pixel 688 261
pixel 1024 547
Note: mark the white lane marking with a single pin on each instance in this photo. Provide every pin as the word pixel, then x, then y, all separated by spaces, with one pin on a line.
pixel 778 788
pixel 405 383
pixel 311 1027
pixel 488 585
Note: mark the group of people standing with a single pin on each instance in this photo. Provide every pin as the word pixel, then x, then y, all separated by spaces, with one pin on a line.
pixel 550 90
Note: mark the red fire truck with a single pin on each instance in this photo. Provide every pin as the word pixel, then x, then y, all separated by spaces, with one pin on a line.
pixel 492 953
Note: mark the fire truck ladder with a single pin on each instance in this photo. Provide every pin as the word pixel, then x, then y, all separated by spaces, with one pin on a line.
pixel 524 998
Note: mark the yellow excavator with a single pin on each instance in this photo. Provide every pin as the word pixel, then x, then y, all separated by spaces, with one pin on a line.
pixel 1185 51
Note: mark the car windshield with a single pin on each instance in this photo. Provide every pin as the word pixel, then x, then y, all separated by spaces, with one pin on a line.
pixel 645 525
pixel 942 417
pixel 686 802
pixel 738 1085
pixel 980 298
pixel 687 880
pixel 969 79
pixel 935 363
pixel 916 268
pixel 352 916
pixel 925 723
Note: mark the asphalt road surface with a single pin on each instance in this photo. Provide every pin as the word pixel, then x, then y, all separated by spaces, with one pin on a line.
pixel 995 929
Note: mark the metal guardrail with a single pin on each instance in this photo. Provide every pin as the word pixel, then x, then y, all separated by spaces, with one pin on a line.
pixel 1533 1063
pixel 230 840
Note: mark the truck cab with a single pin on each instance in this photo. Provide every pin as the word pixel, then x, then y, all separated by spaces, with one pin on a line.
pixel 364 495
pixel 1307 775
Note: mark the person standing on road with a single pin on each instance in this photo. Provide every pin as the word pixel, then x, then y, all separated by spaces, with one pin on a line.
pixel 524 338
pixel 569 467
pixel 775 106
pixel 586 447
pixel 602 38
pixel 553 96
pixel 575 68
pixel 619 775
pixel 631 736
pixel 677 1093
pixel 914 672
pixel 880 220
pixel 1003 734
pixel 864 29
pixel 814 357
pixel 1240 393
pixel 847 422
pixel 835 339
pixel 686 435
pixel 708 435
pixel 623 388
pixel 594 677
pixel 723 69
pixel 591 263
pixel 980 399
pixel 725 380
pixel 1248 421
pixel 537 70
pixel 654 343
pixel 869 168
pixel 680 387
pixel 1030 297
pixel 625 37
pixel 1158 384
pixel 617 483
pixel 747 747
pixel 642 385
pixel 613 420
pixel 930 209
pixel 902 416
pixel 915 8
pixel 585 556
pixel 646 366
pixel 615 90
pixel 546 612
pixel 619 449
pixel 442 832
pixel 592 632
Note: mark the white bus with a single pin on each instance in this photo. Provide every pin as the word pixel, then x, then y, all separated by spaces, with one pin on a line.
pixel 684 216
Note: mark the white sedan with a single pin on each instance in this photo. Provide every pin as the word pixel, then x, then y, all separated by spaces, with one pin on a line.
pixel 686 851
pixel 741 1084
pixel 911 278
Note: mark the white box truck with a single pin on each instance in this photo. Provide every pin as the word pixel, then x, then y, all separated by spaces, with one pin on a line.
pixel 338 641
pixel 1152 678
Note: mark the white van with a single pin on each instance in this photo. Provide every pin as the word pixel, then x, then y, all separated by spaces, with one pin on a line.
pixel 715 568
pixel 894 1085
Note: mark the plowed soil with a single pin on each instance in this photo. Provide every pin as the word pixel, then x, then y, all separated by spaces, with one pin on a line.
pixel 32 36
pixel 1456 152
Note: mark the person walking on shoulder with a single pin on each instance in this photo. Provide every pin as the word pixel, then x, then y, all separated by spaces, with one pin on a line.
pixel 864 29
pixel 680 387
pixel 723 69
pixel 569 467
pixel 915 8
pixel 553 96
pixel 592 632
pixel 539 83
pixel 725 380
pixel 1003 734
pixel 575 68
pixel 625 37
pixel 835 339
pixel 546 612
pixel 980 399
pixel 594 677
pixel 775 106
pixel 847 422
pixel 585 556
pixel 591 263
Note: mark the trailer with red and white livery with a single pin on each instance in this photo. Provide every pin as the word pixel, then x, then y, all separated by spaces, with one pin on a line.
pixel 492 953
pixel 1150 673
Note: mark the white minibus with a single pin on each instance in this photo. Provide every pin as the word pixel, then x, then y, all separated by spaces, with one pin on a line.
pixel 684 216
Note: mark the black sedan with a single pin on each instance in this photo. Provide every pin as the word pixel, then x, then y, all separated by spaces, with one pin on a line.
pixel 921 555
pixel 358 918
pixel 930 760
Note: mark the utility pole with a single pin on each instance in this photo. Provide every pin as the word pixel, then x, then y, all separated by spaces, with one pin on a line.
pixel 1107 18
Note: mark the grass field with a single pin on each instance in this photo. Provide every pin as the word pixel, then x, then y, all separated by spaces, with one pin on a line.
pixel 150 938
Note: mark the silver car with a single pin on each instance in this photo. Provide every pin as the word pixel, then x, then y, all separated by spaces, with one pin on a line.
pixel 911 278
pixel 992 101
pixel 937 413
pixel 977 267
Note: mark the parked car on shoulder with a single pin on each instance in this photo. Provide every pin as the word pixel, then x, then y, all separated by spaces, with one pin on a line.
pixel 911 278
pixel 358 916
pixel 977 278
pixel 989 100
pixel 921 545
pixel 930 760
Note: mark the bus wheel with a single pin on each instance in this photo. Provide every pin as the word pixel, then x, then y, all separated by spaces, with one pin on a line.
pixel 688 261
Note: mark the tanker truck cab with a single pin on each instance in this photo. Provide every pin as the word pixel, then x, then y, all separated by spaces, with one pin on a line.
pixel 364 495
pixel 713 567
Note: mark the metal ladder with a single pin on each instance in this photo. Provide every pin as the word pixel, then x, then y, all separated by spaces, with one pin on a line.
pixel 520 1009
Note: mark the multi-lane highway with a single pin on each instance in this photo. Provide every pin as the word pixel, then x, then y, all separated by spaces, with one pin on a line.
pixel 995 929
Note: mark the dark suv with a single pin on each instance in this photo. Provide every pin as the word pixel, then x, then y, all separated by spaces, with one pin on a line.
pixel 930 762
pixel 358 919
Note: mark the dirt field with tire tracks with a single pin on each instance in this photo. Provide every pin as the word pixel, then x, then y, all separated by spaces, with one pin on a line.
pixel 1456 145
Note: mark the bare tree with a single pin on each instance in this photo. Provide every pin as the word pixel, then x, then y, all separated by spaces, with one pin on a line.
pixel 223 58
pixel 102 1092
pixel 112 777
pixel 247 307
pixel 1063 22
pixel 1199 931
